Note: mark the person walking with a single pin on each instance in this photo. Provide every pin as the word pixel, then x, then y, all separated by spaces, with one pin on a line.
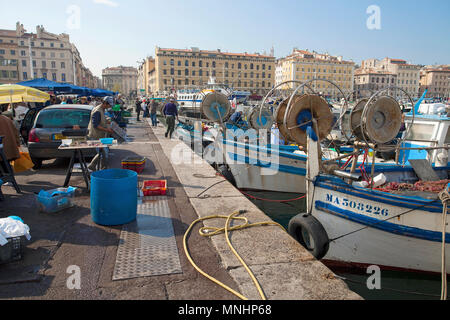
pixel 170 112
pixel 99 129
pixel 153 110
pixel 138 109
pixel 144 108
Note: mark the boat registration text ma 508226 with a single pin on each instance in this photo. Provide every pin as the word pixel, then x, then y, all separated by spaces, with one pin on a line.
pixel 356 205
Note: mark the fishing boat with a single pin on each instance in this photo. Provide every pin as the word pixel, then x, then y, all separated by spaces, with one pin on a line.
pixel 191 99
pixel 395 222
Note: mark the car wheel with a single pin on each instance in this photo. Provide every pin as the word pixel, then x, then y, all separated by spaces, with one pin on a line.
pixel 37 163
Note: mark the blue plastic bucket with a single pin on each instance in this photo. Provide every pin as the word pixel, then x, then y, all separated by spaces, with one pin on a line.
pixel 114 197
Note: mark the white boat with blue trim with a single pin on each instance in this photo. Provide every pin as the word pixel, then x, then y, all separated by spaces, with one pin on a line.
pixel 402 228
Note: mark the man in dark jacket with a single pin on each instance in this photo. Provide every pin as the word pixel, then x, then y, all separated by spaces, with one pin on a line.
pixel 138 109
pixel 170 112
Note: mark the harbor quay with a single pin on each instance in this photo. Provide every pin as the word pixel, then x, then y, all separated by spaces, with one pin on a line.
pixel 70 257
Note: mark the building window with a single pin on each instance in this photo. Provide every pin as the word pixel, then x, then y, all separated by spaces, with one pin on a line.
pixel 251 66
pixel 25 76
pixel 214 64
pixel 23 53
pixel 200 63
pixel 226 65
pixel 22 43
pixel 44 75
pixel 34 63
pixel 239 65
pixel 54 76
pixel 186 63
pixel 200 73
pixel 193 73
pixel 62 46
pixel 44 64
pixel 52 55
pixel 179 63
pixel 32 43
pixel 179 72
pixel 172 62
pixel 164 71
pixel 13 52
pixel 63 65
pixel 186 72
pixel 193 63
pixel 2 51
pixel 24 63
pixel 53 65
pixel 63 77
pixel 172 71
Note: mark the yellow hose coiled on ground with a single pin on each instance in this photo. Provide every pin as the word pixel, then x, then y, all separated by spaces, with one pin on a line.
pixel 212 231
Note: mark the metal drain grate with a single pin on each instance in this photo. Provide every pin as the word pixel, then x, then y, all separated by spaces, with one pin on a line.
pixel 147 246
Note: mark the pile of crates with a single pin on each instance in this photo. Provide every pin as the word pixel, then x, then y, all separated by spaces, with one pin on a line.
pixel 136 164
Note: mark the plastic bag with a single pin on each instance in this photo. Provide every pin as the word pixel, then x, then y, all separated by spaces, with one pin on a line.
pixel 22 164
pixel 12 227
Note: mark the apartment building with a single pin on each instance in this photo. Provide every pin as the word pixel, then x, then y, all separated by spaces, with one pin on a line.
pixel 437 80
pixel 121 79
pixel 145 70
pixel 9 63
pixel 302 66
pixel 408 75
pixel 368 81
pixel 181 69
pixel 25 56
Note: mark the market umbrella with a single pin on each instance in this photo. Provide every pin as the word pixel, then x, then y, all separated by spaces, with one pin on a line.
pixel 47 85
pixel 14 93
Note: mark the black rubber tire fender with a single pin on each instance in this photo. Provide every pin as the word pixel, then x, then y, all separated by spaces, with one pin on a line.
pixel 309 224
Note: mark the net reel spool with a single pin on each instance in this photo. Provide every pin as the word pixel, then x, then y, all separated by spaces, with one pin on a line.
pixel 216 106
pixel 380 120
pixel 279 118
pixel 260 119
pixel 301 113
pixel 355 119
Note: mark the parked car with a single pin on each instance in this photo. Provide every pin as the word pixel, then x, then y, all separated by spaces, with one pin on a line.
pixel 28 121
pixel 53 124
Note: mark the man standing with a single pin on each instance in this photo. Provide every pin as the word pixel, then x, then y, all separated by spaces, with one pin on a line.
pixel 99 129
pixel 138 109
pixel 153 109
pixel 170 112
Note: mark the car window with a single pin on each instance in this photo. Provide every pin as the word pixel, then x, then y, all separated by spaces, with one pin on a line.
pixel 63 118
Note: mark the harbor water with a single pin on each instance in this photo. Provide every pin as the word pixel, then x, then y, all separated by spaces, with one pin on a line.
pixel 395 285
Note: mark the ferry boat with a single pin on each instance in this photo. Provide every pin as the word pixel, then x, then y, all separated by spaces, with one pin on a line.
pixel 190 100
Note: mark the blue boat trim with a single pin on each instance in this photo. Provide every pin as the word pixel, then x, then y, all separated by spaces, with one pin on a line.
pixel 382 225
pixel 266 165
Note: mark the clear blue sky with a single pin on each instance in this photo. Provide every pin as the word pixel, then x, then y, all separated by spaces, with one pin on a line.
pixel 118 32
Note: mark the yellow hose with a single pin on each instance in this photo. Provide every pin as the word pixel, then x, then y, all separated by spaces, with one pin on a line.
pixel 212 231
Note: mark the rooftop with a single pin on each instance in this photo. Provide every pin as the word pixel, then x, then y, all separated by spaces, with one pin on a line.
pixel 217 52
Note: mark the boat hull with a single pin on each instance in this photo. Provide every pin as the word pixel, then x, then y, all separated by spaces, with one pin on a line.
pixel 368 228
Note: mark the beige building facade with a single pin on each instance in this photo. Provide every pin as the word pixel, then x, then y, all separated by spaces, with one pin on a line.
pixel 42 55
pixel 193 68
pixel 369 81
pixel 121 79
pixel 437 80
pixel 408 75
pixel 304 66
pixel 145 70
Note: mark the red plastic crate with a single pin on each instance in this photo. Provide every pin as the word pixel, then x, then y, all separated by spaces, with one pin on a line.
pixel 155 188
pixel 133 167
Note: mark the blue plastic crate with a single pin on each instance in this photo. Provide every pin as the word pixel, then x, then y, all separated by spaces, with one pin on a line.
pixel 56 200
